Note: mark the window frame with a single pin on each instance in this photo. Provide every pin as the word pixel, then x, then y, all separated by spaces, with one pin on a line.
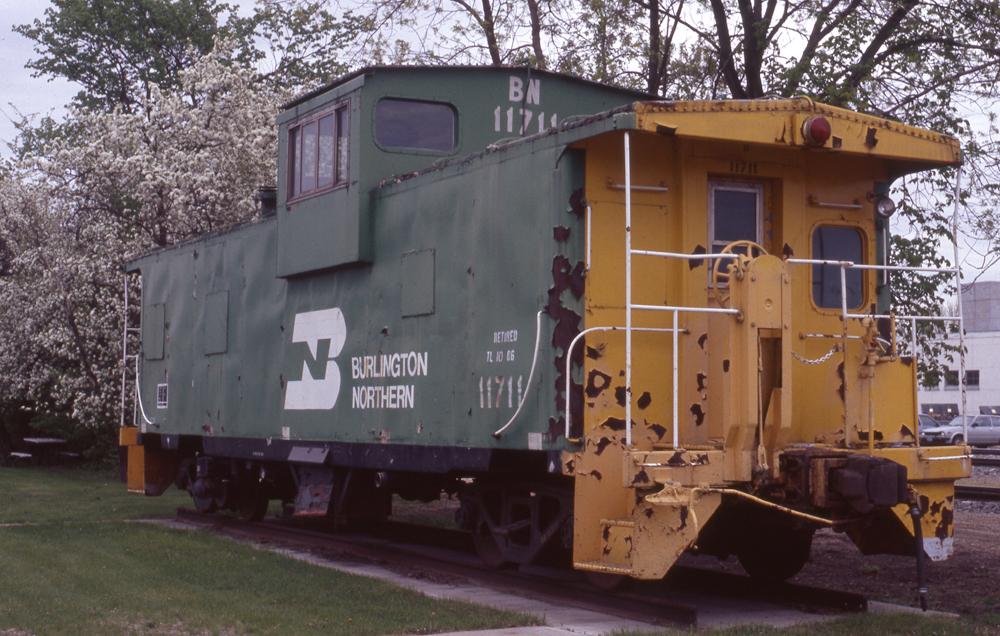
pixel 757 187
pixel 861 272
pixel 949 380
pixel 340 169
pixel 456 131
pixel 969 385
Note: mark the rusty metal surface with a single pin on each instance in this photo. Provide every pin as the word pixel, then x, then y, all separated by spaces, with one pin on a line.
pixel 752 385
pixel 433 312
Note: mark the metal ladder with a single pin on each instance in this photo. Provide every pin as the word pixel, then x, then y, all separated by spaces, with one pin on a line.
pixel 630 306
pixel 127 358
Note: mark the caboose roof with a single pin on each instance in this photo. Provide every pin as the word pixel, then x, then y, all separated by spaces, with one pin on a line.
pixel 780 122
pixel 776 123
pixel 444 73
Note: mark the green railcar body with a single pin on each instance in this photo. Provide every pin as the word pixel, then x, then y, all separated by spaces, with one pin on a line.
pixel 400 309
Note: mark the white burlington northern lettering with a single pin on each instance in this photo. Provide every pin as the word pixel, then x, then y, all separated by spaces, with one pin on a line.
pixel 516 89
pixel 534 91
pixel 396 396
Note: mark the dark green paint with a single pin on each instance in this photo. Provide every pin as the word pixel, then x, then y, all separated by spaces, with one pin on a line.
pixel 443 273
pixel 335 228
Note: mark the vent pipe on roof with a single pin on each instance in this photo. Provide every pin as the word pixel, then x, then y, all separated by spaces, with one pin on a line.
pixel 267 197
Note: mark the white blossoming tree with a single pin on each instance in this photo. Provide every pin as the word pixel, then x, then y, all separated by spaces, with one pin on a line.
pixel 112 184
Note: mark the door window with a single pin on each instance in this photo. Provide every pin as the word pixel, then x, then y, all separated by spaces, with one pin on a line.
pixel 735 213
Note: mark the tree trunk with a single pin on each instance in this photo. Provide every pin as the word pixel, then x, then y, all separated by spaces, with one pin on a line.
pixel 653 74
pixel 726 63
pixel 489 28
pixel 536 33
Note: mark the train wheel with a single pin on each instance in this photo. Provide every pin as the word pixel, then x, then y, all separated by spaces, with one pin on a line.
pixel 486 545
pixel 775 554
pixel 204 505
pixel 606 581
pixel 251 502
pixel 225 496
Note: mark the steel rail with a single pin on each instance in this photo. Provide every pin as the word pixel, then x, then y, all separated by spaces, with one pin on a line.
pixel 977 492
pixel 454 555
pixel 450 552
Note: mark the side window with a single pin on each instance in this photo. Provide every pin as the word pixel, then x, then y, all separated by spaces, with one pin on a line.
pixel 403 123
pixel 837 244
pixel 950 378
pixel 972 379
pixel 735 213
pixel 317 153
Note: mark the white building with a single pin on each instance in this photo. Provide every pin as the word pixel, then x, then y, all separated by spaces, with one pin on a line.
pixel 981 307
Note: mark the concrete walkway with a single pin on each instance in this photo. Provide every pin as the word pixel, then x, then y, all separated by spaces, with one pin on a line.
pixel 561 620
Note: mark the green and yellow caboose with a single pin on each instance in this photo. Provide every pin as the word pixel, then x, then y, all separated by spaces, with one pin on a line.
pixel 620 327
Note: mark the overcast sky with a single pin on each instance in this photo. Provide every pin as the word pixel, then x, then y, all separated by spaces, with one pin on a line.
pixel 38 96
pixel 19 91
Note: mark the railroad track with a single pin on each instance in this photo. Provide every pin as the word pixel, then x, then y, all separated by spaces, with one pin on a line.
pixel 986 456
pixel 450 553
pixel 980 457
pixel 978 493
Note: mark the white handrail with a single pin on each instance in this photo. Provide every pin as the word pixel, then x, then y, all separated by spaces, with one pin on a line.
pixel 138 396
pixel 845 265
pixel 531 374
pixel 961 318
pixel 912 319
pixel 124 354
pixel 628 293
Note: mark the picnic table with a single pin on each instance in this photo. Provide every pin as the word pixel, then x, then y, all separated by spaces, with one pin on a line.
pixel 44 447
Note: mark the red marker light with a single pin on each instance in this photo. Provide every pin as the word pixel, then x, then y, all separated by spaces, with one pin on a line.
pixel 816 130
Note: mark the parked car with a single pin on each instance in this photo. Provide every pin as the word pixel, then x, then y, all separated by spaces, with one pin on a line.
pixel 983 430
pixel 925 422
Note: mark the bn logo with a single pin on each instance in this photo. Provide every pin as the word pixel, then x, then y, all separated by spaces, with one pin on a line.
pixel 325 332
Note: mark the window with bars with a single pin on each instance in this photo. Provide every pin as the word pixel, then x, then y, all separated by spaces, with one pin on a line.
pixel 971 378
pixel 318 153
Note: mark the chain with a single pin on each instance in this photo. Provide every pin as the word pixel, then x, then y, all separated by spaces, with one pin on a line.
pixel 818 360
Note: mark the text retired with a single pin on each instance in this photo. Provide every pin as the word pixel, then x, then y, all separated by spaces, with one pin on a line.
pixel 504 336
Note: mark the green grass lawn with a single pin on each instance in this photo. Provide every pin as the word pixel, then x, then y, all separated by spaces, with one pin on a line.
pixel 38 495
pixel 72 562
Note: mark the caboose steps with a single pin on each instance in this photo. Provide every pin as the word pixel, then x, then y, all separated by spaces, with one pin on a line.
pixel 597 566
pixel 675 466
pixel 618 523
